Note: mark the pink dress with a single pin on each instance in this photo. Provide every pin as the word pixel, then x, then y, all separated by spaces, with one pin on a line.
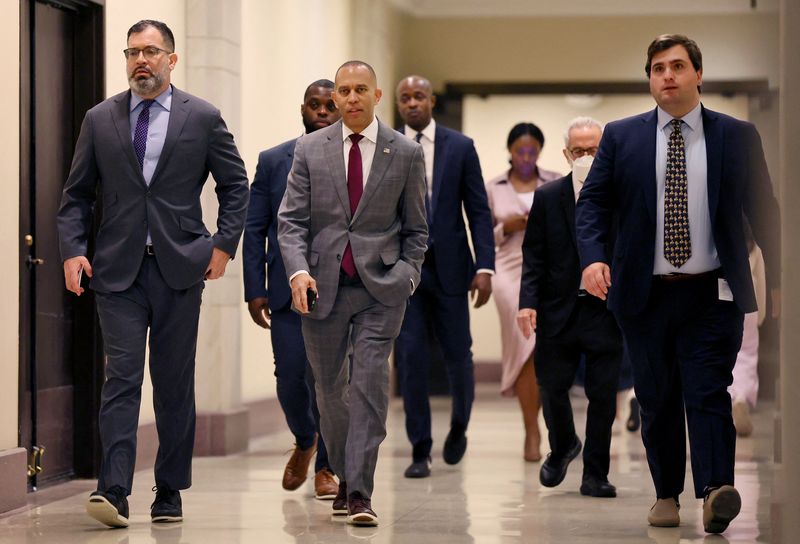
pixel 505 203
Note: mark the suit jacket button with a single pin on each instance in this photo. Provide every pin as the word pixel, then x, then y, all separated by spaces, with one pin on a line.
pixel 338 257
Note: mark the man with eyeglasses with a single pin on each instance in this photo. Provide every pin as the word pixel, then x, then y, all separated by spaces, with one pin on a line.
pixel 569 323
pixel 149 151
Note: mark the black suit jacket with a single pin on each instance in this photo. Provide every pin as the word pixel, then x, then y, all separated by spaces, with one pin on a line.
pixel 458 188
pixel 623 181
pixel 260 244
pixel 551 271
pixel 197 143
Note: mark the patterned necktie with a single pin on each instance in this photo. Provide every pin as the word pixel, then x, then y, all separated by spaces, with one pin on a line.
pixel 140 134
pixel 355 188
pixel 677 239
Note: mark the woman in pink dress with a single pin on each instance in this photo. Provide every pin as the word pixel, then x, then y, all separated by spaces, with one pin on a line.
pixel 511 198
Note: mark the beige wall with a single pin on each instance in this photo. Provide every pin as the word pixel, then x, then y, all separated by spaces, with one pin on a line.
pixel 9 226
pixel 583 49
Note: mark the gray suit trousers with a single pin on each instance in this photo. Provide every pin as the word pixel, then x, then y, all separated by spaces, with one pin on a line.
pixel 353 416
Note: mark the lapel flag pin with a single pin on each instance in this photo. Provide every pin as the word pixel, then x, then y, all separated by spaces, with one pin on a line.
pixel 386 150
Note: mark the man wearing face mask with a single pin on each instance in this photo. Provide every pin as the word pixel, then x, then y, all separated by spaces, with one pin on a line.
pixel 569 323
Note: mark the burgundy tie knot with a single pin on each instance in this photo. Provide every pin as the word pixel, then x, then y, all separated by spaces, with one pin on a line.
pixel 355 138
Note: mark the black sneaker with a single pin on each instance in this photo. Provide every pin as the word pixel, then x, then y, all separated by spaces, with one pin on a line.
pixel 340 502
pixel 167 508
pixel 109 507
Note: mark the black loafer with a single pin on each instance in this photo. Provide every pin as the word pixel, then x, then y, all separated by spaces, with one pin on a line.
pixel 635 418
pixel 419 469
pixel 454 447
pixel 595 487
pixel 554 469
pixel 109 507
pixel 168 507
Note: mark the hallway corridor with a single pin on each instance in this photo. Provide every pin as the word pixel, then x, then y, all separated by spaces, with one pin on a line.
pixel 492 496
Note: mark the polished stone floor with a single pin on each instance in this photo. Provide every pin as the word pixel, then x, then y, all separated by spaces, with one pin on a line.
pixel 492 496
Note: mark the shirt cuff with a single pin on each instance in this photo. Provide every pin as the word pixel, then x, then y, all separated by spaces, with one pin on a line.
pixel 485 271
pixel 293 276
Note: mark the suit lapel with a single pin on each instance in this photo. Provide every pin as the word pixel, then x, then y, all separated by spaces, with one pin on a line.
pixel 568 204
pixel 440 151
pixel 179 113
pixel 335 158
pixel 120 115
pixel 648 161
pixel 384 153
pixel 713 135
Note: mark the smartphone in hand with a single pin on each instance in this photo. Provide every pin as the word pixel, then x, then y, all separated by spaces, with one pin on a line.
pixel 311 297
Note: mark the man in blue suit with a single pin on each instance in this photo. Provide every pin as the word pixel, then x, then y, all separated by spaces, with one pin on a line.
pixel 681 180
pixel 440 303
pixel 269 302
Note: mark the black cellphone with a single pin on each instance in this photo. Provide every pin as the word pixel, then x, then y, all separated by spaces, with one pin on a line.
pixel 311 296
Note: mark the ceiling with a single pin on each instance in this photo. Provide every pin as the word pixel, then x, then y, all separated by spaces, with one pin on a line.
pixel 582 8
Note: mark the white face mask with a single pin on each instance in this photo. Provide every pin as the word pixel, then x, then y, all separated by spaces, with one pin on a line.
pixel 581 167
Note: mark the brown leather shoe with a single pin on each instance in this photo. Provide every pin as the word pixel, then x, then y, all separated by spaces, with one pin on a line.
pixel 325 486
pixel 664 513
pixel 296 469
pixel 359 511
pixel 720 507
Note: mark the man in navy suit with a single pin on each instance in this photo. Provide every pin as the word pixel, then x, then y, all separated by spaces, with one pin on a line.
pixel 269 302
pixel 681 180
pixel 455 185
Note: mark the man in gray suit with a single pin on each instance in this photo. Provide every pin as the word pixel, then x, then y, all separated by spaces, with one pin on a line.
pixel 352 232
pixel 149 151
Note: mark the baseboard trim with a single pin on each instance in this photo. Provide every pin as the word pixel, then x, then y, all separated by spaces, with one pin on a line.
pixel 13 474
pixel 488 372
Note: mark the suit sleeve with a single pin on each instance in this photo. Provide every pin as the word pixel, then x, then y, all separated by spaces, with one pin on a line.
pixel 414 223
pixel 74 218
pixel 762 210
pixel 476 205
pixel 294 214
pixel 533 255
pixel 259 218
pixel 593 214
pixel 230 176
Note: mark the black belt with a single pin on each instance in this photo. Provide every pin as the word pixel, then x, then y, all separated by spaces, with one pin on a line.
pixel 686 277
pixel 148 250
pixel 583 293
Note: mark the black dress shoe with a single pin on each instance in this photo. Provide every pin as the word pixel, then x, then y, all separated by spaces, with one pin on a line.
pixel 168 507
pixel 419 469
pixel 595 487
pixel 454 447
pixel 340 502
pixel 109 507
pixel 555 468
pixel 635 418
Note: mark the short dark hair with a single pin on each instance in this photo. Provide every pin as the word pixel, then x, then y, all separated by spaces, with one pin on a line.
pixel 324 83
pixel 166 33
pixel 354 63
pixel 666 41
pixel 525 129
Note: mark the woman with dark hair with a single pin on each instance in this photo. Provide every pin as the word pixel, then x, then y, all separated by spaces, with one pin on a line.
pixel 510 198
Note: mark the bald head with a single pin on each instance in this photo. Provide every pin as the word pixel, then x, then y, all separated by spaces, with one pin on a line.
pixel 356 94
pixel 415 101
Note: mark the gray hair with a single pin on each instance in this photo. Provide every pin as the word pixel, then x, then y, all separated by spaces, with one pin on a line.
pixel 580 122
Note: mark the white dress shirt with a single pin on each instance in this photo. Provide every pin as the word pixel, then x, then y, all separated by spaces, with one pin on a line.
pixel 704 252
pixel 366 145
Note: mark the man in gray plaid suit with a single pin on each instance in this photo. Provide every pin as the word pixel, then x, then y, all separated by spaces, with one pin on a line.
pixel 352 231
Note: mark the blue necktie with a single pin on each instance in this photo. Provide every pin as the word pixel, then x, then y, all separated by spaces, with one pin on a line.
pixel 140 135
pixel 677 240
pixel 428 210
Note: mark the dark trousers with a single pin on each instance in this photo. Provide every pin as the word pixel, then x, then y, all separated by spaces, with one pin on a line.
pixel 449 317
pixel 592 332
pixel 683 347
pixel 295 382
pixel 171 317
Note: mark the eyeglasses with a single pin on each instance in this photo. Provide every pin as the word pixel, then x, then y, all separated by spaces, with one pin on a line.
pixel 577 152
pixel 150 52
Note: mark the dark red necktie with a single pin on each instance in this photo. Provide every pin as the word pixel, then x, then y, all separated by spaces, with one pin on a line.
pixel 355 188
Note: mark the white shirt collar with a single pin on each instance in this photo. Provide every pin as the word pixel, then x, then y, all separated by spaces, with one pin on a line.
pixel 370 133
pixel 164 99
pixel 692 119
pixel 429 132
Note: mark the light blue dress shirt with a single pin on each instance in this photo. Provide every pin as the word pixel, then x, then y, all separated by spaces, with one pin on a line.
pixel 704 252
pixel 156 131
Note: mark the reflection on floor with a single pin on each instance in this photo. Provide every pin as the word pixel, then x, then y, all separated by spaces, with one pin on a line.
pixel 492 496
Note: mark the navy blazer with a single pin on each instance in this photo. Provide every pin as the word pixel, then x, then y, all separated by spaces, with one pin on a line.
pixel 260 246
pixel 623 181
pixel 457 182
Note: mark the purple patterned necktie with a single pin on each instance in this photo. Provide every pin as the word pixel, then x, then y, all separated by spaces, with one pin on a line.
pixel 140 135
pixel 355 188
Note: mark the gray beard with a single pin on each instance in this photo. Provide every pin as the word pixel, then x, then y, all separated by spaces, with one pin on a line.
pixel 145 85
